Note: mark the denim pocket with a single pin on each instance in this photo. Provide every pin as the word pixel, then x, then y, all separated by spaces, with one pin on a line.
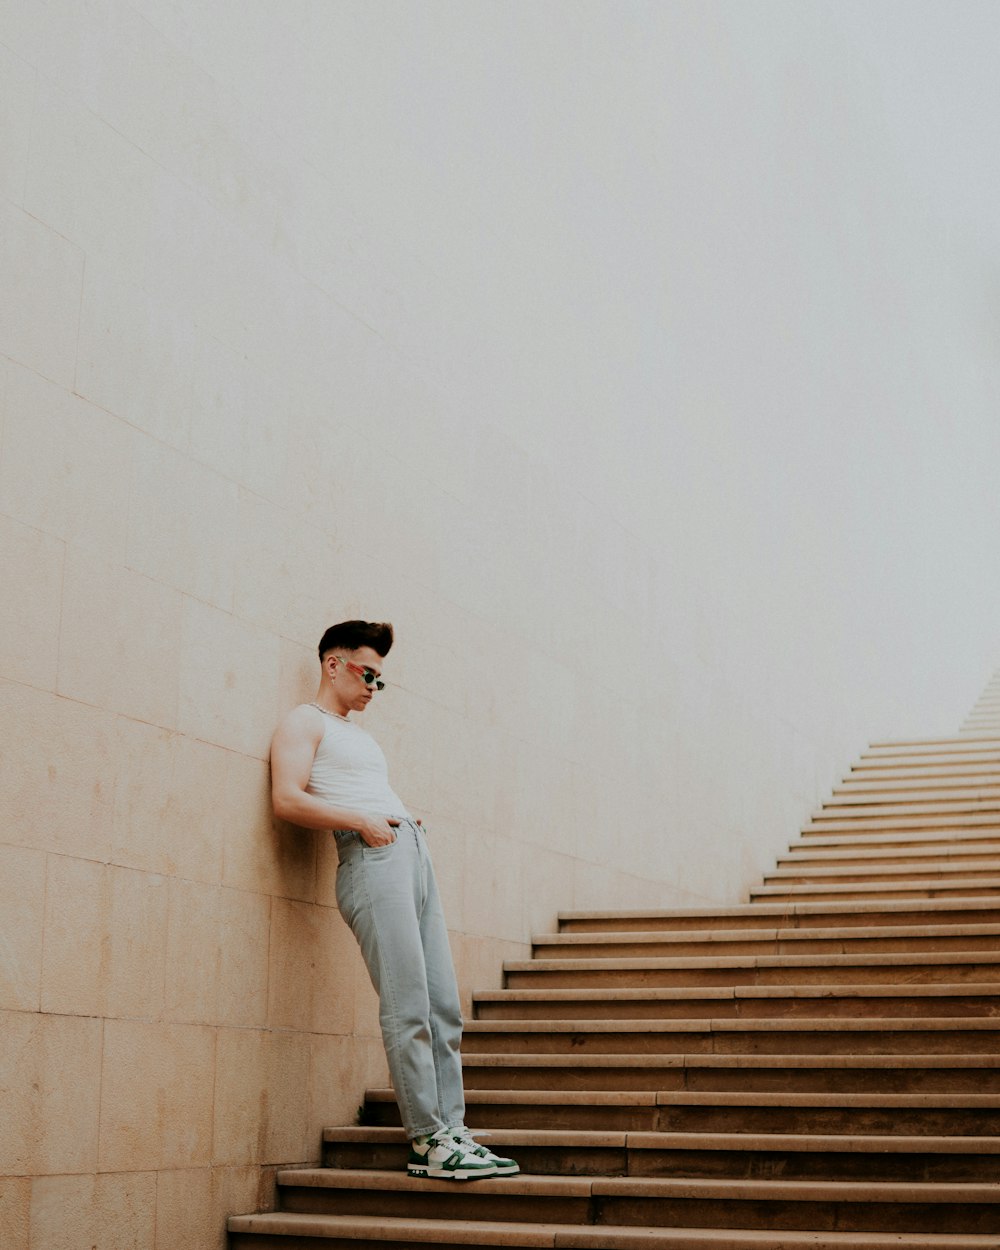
pixel 378 852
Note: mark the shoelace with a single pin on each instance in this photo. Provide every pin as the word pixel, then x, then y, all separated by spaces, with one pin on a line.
pixel 465 1138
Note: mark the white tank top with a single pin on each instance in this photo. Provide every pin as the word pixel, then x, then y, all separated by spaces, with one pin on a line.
pixel 350 771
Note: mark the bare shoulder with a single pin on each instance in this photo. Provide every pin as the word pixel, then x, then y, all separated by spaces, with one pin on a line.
pixel 302 725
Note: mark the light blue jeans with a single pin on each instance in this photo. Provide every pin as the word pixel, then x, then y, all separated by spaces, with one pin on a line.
pixel 389 897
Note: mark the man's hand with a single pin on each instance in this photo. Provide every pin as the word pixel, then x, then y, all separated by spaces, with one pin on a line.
pixel 377 831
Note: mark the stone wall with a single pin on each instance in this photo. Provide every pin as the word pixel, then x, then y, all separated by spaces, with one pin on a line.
pixel 635 360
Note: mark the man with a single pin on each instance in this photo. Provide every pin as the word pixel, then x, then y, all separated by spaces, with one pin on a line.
pixel 328 773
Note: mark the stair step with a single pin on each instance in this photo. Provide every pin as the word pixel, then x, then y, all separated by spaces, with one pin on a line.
pixel 949 806
pixel 859 823
pixel 869 795
pixel 902 839
pixel 864 854
pixel 798 915
pixel 733 1111
pixel 776 1156
pixel 958 757
pixel 742 1001
pixel 651 1201
pixel 919 887
pixel 551 1152
pixel 954 742
pixel 876 939
pixel 740 970
pixel 794 1073
pixel 831 1035
pixel 918 780
pixel 941 871
pixel 284 1230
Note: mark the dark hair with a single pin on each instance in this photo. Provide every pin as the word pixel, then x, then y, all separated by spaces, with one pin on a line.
pixel 352 635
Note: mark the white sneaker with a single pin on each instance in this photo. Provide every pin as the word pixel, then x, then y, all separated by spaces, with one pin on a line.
pixel 442 1156
pixel 462 1135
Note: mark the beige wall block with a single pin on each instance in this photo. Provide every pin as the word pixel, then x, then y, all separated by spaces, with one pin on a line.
pixel 310 982
pixel 168 816
pixel 261 853
pixel 119 640
pixel 56 773
pixel 17 93
pixel 299 670
pixel 191 993
pixel 287 1138
pixel 50 1079
pixel 78 489
pixel 340 1070
pixel 77 952
pixel 192 1205
pixel 41 276
pixel 22 912
pixel 229 678
pixel 15 1211
pixel 137 943
pixel 156 1096
pixel 242 1097
pixel 246 420
pixel 185 1212
pixel 93 186
pixel 31 572
pixel 244 924
pixel 217 955
pixel 105 940
pixel 282 569
pixel 496 882
pixel 113 1211
pixel 183 524
pixel 262 1098
pixel 135 360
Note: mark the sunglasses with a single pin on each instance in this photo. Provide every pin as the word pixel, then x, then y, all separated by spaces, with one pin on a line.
pixel 367 675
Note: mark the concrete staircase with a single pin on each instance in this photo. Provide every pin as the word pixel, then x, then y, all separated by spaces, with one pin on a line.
pixel 817 1068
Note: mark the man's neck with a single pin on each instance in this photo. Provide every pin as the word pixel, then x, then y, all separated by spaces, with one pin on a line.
pixel 326 699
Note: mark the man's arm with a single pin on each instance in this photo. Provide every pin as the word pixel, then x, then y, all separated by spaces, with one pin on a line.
pixel 293 749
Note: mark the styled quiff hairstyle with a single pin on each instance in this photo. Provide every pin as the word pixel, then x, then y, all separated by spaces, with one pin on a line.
pixel 352 635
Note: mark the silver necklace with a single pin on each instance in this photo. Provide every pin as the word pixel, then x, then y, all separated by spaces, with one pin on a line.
pixel 326 710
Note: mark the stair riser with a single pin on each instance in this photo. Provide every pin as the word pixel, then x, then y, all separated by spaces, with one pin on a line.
pixel 859 892
pixel 859 825
pixel 258 1241
pixel 939 945
pixel 462 1202
pixel 693 1008
pixel 823 918
pixel 767 1041
pixel 666 978
pixel 795 1080
pixel 534 1160
pixel 833 874
pixel 888 1122
pixel 940 810
pixel 552 1118
pixel 883 858
pixel 816 1165
pixel 442 1200
pixel 813 1216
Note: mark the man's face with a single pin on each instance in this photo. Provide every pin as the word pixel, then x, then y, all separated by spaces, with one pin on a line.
pixel 350 684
